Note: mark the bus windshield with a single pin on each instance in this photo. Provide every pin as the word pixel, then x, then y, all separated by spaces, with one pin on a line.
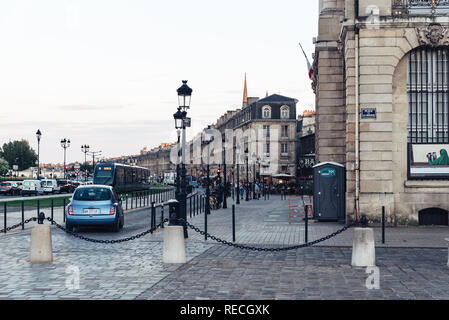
pixel 104 175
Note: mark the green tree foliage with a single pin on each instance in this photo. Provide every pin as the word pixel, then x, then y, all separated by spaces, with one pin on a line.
pixel 19 153
pixel 4 167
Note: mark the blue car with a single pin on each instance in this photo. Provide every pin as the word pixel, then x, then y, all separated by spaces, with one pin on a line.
pixel 95 205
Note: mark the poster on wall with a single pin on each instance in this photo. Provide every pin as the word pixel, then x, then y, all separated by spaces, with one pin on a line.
pixel 429 161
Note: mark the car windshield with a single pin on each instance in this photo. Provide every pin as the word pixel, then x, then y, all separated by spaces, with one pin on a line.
pixel 4 184
pixel 92 194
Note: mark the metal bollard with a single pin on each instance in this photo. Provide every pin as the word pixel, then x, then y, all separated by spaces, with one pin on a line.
pixel 190 205
pixel 63 209
pixel 233 223
pixel 23 215
pixel 162 217
pixel 4 215
pixel 306 225
pixel 205 226
pixel 52 211
pixel 153 211
pixel 383 225
pixel 38 207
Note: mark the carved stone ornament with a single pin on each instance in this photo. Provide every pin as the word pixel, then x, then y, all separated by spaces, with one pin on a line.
pixel 434 35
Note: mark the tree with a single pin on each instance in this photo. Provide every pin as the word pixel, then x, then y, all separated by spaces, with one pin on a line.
pixel 4 167
pixel 19 153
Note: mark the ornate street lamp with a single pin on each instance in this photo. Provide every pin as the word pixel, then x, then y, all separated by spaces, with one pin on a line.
pixel 38 136
pixel 182 122
pixel 65 143
pixel 208 141
pixel 237 157
pixel 85 149
pixel 225 188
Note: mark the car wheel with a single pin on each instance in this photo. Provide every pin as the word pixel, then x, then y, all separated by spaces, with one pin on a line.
pixel 122 222
pixel 116 225
pixel 69 227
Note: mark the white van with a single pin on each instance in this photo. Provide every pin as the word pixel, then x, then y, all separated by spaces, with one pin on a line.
pixel 32 187
pixel 50 186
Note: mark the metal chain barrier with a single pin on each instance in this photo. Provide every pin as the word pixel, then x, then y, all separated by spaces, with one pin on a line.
pixel 18 225
pixel 107 241
pixel 305 245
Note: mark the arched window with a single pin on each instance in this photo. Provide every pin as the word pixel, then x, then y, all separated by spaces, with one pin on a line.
pixel 428 116
pixel 266 112
pixel 285 112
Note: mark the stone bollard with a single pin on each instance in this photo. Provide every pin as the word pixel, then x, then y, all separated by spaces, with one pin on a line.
pixel 174 246
pixel 41 246
pixel 447 239
pixel 363 249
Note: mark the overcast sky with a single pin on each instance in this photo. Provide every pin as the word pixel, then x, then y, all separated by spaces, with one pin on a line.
pixel 105 72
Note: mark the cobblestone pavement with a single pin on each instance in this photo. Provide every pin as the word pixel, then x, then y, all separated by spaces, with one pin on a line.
pixel 120 271
pixel 260 222
pixel 134 270
pixel 224 273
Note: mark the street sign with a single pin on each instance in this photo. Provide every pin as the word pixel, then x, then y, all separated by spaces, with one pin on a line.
pixel 77 166
pixel 77 170
pixel 188 122
pixel 369 113
pixel 15 167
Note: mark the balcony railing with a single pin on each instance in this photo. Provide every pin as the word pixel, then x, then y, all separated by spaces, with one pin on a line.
pixel 421 6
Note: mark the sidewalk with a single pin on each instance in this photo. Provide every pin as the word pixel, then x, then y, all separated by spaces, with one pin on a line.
pixel 266 223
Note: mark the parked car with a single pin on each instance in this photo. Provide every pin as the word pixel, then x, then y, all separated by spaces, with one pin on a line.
pixel 95 205
pixel 32 187
pixel 66 186
pixel 9 188
pixel 50 186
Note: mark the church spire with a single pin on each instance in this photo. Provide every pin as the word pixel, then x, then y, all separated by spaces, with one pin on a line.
pixel 245 94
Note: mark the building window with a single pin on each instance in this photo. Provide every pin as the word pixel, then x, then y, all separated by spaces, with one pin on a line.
pixel 267 149
pixel 266 112
pixel 428 116
pixel 285 112
pixel 284 132
pixel 284 150
pixel 266 131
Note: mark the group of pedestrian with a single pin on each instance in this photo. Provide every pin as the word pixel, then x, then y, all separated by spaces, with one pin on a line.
pixel 251 188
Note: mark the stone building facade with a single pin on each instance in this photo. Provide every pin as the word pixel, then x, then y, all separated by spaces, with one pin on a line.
pixel 381 81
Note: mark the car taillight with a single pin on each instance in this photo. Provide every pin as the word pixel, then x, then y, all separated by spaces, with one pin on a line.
pixel 112 210
pixel 70 210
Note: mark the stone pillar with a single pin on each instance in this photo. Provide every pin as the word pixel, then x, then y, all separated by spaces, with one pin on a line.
pixel 174 251
pixel 41 245
pixel 363 248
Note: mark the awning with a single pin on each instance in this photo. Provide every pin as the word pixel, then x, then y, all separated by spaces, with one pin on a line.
pixel 283 176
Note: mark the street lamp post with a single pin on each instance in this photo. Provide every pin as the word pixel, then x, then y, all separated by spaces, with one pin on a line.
pixel 237 163
pixel 254 176
pixel 38 136
pixel 208 177
pixel 182 122
pixel 225 188
pixel 85 149
pixel 247 175
pixel 94 154
pixel 65 143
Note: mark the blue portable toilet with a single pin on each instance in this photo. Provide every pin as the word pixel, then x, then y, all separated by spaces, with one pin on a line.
pixel 329 192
